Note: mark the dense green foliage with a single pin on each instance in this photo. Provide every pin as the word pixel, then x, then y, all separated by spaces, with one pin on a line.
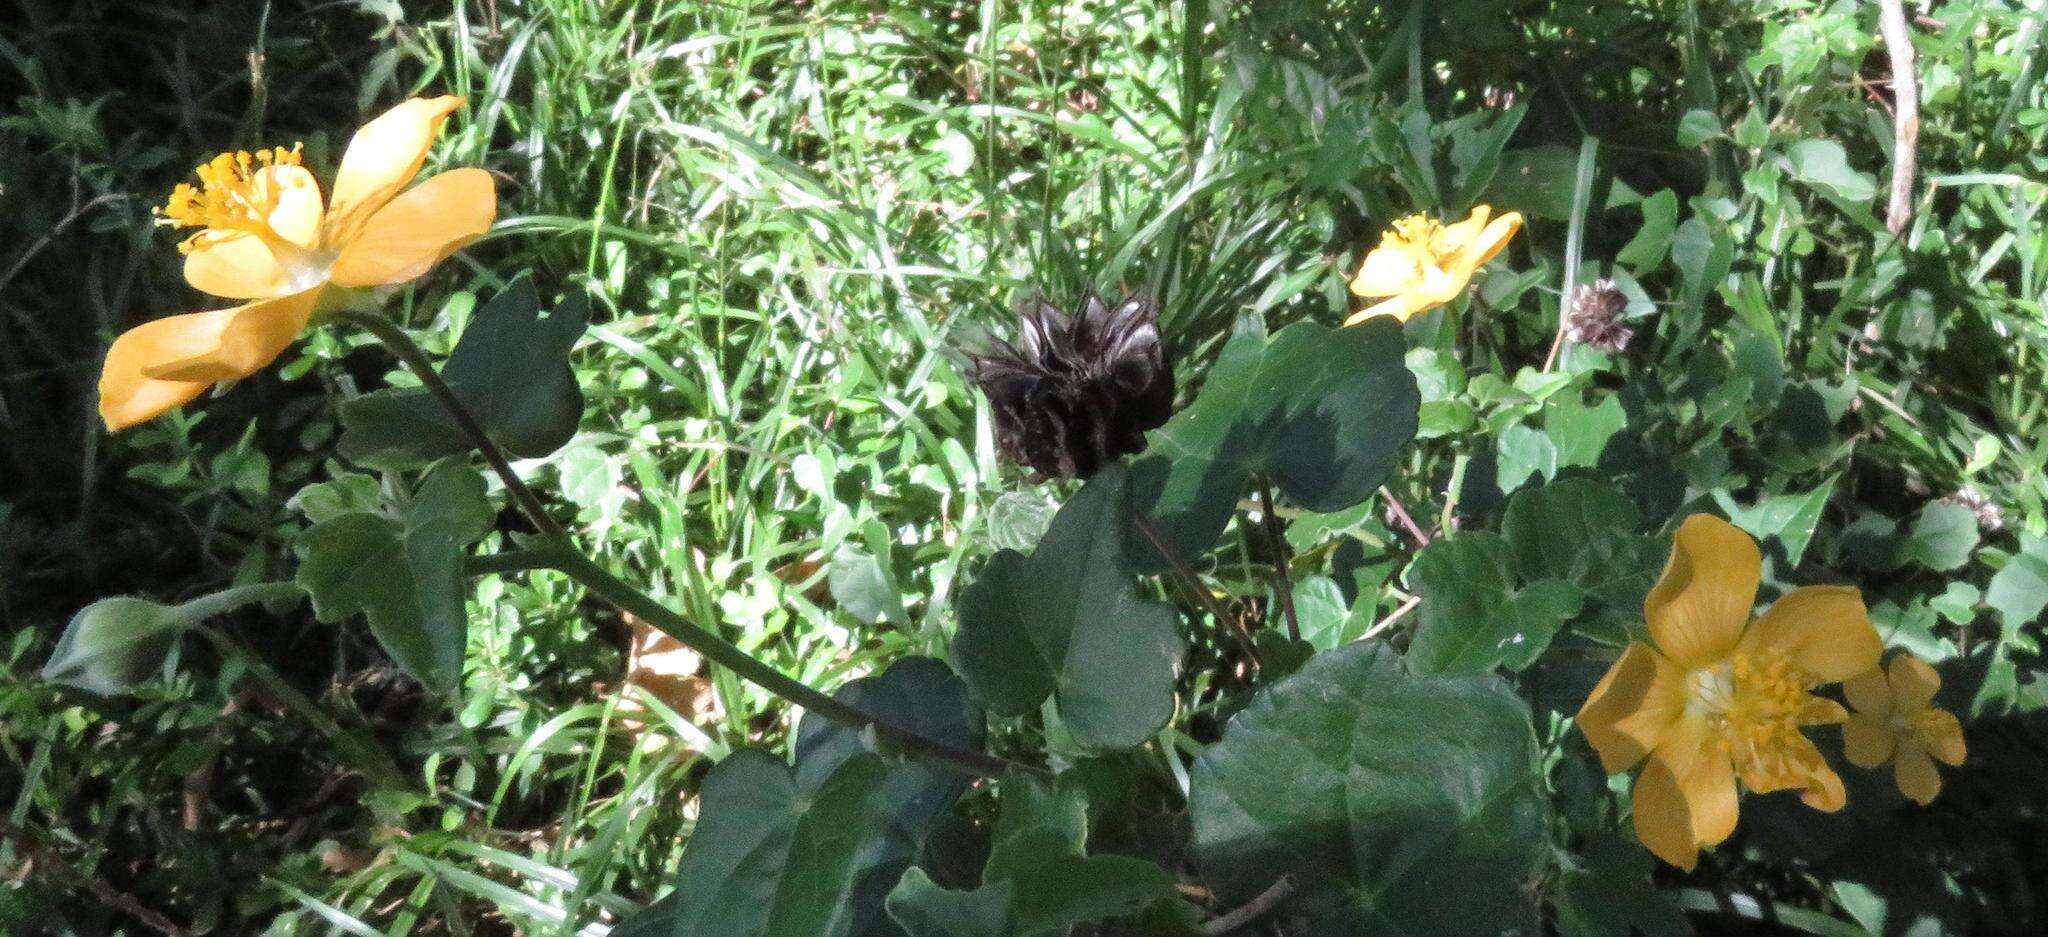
pixel 786 220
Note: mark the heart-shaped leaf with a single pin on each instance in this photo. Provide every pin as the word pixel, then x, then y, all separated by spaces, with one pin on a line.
pixel 1319 411
pixel 1066 622
pixel 510 368
pixel 1403 805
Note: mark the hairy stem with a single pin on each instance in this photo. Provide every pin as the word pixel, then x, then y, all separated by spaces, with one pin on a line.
pixel 558 554
pixel 415 360
pixel 625 597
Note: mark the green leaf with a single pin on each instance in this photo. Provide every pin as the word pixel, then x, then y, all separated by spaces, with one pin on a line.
pixel 1524 451
pixel 813 850
pixel 1697 127
pixel 863 588
pixel 1824 165
pixel 1942 537
pixel 1660 220
pixel 1066 622
pixel 1609 892
pixel 2020 591
pixel 1322 412
pixel 1404 805
pixel 404 573
pixel 1473 618
pixel 511 369
pixel 1582 532
pixel 1537 181
pixel 347 492
pixel 1579 432
pixel 1790 518
pixel 1703 251
pixel 1038 880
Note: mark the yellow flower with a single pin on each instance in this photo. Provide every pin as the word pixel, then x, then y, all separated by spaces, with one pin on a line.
pixel 1422 263
pixel 1894 720
pixel 266 236
pixel 1716 696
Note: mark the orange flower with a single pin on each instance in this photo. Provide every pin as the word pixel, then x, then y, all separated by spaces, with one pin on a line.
pixel 1894 720
pixel 266 236
pixel 1716 697
pixel 1422 263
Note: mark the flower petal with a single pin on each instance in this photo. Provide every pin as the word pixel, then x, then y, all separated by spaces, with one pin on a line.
pixel 1825 629
pixel 1821 711
pixel 1868 740
pixel 1869 692
pixel 225 344
pixel 1942 733
pixel 1698 608
pixel 1400 307
pixel 1824 791
pixel 1635 704
pixel 1913 683
pixel 235 266
pixel 1675 815
pixel 418 229
pixel 1488 243
pixel 298 213
pixel 128 398
pixel 1918 778
pixel 382 157
pixel 1387 271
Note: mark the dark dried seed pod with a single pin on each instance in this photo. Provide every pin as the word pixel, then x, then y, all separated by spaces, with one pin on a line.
pixel 1594 317
pixel 1074 392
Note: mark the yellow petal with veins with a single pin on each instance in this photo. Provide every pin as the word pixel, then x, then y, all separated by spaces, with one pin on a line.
pixel 1697 610
pixel 1635 705
pixel 418 229
pixel 224 344
pixel 1825 629
pixel 382 157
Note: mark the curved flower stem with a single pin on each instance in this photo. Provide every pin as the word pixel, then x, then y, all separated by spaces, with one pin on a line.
pixel 415 360
pixel 626 598
pixel 557 553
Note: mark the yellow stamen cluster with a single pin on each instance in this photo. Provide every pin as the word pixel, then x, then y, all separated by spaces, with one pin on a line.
pixel 1420 233
pixel 236 192
pixel 1767 703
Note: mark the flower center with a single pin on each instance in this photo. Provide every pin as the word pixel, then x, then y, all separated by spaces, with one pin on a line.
pixel 239 192
pixel 1755 704
pixel 1421 234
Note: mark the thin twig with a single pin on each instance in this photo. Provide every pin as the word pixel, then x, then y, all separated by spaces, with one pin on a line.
pixel 1194 584
pixel 1898 42
pixel 1283 580
pixel 1393 616
pixel 1254 909
pixel 107 894
pixel 1401 514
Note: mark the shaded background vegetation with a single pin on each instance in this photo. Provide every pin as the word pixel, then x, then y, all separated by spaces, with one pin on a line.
pixel 788 213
